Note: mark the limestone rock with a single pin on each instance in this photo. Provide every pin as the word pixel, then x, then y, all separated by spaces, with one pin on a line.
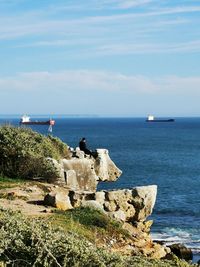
pixel 144 198
pixel 93 204
pixel 118 215
pixel 58 200
pixel 71 179
pixel 120 200
pixel 80 174
pixel 137 203
pixel 59 169
pixel 133 231
pixel 159 252
pixel 100 197
pixel 105 168
pixel 79 154
pixel 130 206
pixel 79 197
pixel 144 226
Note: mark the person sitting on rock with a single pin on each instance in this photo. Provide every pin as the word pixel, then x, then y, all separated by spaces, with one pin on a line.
pixel 83 147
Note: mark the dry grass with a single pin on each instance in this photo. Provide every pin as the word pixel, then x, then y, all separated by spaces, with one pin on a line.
pixel 10 183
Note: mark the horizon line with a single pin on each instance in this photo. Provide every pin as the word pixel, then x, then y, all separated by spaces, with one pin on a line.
pixel 16 115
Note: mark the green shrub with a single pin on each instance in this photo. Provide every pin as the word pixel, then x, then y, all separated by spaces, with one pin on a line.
pixel 93 218
pixel 26 242
pixel 90 217
pixel 24 153
pixel 32 242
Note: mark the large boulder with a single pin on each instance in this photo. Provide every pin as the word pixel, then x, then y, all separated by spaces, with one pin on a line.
pixel 81 172
pixel 58 199
pixel 120 200
pixel 105 168
pixel 181 251
pixel 137 203
pixel 144 198
pixel 77 198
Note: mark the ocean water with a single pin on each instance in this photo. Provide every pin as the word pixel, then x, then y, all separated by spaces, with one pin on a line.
pixel 165 154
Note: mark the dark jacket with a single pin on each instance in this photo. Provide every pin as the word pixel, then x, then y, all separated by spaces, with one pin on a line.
pixel 82 145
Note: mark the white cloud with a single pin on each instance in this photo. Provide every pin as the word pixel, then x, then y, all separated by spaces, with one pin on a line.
pixel 98 81
pixel 101 5
pixel 75 80
pixel 99 92
pixel 41 23
pixel 146 48
pixel 125 4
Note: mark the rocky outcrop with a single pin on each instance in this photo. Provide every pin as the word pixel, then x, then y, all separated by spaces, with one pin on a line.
pixel 81 172
pixel 136 204
pixel 80 175
pixel 127 205
pixel 142 242
pixel 181 251
pixel 105 168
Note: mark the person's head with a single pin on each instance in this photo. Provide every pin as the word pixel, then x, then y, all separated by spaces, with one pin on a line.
pixel 83 139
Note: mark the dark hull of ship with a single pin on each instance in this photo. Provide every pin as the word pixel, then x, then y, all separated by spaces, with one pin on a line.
pixel 169 120
pixel 36 123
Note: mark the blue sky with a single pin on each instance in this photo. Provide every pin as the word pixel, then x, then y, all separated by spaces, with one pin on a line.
pixel 108 57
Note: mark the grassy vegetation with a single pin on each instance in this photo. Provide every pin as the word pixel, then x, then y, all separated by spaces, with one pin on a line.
pixel 89 223
pixel 9 183
pixel 34 242
pixel 24 153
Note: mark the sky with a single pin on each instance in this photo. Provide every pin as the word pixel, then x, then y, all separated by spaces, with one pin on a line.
pixel 104 57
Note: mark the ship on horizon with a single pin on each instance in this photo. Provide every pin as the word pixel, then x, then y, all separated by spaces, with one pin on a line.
pixel 151 118
pixel 26 120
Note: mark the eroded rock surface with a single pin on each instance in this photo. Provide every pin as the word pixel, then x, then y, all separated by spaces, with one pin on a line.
pixel 59 200
pixel 131 207
pixel 128 205
pixel 81 172
pixel 105 168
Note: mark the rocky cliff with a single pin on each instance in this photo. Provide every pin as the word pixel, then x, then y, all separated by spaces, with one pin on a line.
pixel 79 176
pixel 81 172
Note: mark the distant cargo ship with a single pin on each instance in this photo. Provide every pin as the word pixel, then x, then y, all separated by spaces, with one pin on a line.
pixel 151 118
pixel 27 121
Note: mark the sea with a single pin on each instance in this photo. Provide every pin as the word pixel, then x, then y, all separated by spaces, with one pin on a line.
pixel 166 154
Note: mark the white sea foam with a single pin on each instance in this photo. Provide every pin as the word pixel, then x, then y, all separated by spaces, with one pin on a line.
pixel 175 235
pixel 195 250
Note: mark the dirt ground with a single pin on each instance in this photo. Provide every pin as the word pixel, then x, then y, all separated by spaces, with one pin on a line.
pixel 27 198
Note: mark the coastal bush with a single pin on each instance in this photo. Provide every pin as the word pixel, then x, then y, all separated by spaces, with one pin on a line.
pixel 90 223
pixel 24 153
pixel 26 242
pixel 35 242
pixel 93 218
